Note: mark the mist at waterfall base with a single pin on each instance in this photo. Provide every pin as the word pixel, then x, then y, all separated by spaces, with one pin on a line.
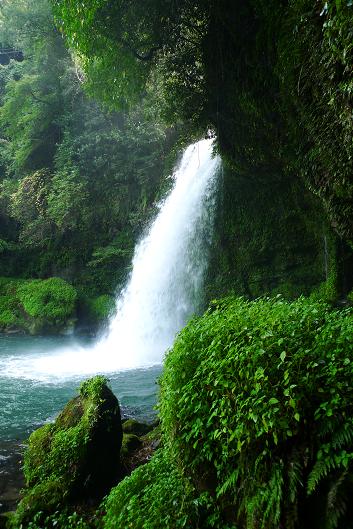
pixel 38 375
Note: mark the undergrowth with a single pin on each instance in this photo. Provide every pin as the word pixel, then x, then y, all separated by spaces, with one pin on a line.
pixel 257 402
pixel 157 495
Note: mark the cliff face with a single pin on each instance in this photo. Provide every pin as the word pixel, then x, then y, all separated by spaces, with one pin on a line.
pixel 271 237
pixel 279 96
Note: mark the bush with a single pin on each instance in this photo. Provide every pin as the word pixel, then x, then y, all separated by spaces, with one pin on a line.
pixel 10 313
pixel 62 520
pixel 36 305
pixel 7 315
pixel 257 401
pixel 101 308
pixel 157 496
pixel 52 299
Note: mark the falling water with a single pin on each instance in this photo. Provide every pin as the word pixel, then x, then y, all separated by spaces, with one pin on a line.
pixel 165 286
pixel 168 266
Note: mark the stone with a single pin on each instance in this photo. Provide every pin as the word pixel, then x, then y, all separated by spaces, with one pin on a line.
pixel 77 458
pixel 131 443
pixel 131 426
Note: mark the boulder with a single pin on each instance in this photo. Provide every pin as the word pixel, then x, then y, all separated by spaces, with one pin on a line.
pixel 131 443
pixel 130 426
pixel 77 458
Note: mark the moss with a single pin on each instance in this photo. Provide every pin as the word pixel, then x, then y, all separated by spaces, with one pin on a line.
pixel 270 238
pixel 78 453
pixel 101 307
pixel 51 299
pixel 41 500
pixel 130 443
pixel 131 426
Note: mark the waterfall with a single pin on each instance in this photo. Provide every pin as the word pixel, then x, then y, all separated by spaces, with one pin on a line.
pixel 166 283
pixel 168 269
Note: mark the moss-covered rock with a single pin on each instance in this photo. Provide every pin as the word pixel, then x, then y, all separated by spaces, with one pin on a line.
pixel 130 443
pixel 77 458
pixel 100 308
pixel 131 426
pixel 42 499
pixel 93 312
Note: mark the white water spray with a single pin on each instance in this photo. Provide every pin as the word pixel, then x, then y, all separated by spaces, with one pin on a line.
pixel 165 285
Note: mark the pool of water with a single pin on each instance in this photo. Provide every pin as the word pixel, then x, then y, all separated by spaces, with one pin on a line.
pixel 29 399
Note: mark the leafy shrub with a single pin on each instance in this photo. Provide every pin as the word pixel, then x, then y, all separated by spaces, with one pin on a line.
pixel 7 316
pixel 61 520
pixel 10 314
pixel 157 495
pixel 35 305
pixel 101 307
pixel 257 400
pixel 52 299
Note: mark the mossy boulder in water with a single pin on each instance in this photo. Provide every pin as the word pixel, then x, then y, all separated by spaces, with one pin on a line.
pixel 77 458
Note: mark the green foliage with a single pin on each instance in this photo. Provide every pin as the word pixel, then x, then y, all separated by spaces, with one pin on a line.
pixel 77 184
pixel 62 520
pixel 37 503
pixel 36 305
pixel 53 299
pixel 315 59
pixel 100 308
pixel 270 238
pixel 157 495
pixel 128 49
pixel 93 387
pixel 263 389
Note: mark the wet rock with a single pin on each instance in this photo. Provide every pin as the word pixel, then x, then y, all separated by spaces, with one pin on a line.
pixel 137 451
pixel 11 475
pixel 131 426
pixel 130 443
pixel 77 458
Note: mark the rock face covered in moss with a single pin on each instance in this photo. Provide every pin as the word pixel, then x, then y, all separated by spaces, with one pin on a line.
pixel 77 458
pixel 271 237
pixel 281 117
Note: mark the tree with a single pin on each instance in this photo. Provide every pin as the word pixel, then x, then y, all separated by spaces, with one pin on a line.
pixel 125 47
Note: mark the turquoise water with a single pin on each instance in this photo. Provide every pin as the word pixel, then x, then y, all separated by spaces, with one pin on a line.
pixel 28 400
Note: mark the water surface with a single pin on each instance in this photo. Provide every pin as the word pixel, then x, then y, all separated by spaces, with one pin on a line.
pixel 27 402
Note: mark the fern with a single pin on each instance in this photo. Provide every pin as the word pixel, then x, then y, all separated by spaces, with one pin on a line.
pixel 295 478
pixel 336 502
pixel 321 470
pixel 343 437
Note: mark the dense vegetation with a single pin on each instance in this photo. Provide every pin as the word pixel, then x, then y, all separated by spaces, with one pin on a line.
pixel 77 183
pixel 79 180
pixel 272 79
pixel 256 410
pixel 37 306
pixel 256 414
